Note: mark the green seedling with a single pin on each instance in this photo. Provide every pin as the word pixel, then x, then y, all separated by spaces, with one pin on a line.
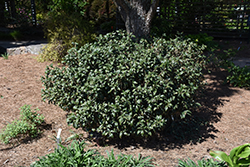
pixel 5 56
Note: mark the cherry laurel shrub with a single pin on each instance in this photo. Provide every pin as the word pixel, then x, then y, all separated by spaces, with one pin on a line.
pixel 118 87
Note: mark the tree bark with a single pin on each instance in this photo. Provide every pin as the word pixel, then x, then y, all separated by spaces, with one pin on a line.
pixel 137 15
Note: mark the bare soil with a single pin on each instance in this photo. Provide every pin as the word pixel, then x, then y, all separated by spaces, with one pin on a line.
pixel 221 123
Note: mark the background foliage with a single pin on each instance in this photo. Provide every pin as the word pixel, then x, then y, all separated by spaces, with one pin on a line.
pixel 66 23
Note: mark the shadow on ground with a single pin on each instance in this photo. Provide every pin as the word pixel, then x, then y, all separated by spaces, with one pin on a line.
pixel 194 129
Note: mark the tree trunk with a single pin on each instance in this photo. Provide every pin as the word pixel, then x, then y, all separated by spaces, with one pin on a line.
pixel 137 15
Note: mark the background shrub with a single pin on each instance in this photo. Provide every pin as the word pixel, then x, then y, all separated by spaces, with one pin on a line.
pixel 160 27
pixel 64 24
pixel 203 39
pixel 118 87
pixel 101 11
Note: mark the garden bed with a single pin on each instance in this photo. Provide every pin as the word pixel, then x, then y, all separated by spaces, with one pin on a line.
pixel 223 118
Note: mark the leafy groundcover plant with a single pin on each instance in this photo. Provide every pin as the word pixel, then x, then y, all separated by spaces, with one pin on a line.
pixel 238 76
pixel 201 163
pixel 5 55
pixel 239 156
pixel 75 155
pixel 118 87
pixel 27 125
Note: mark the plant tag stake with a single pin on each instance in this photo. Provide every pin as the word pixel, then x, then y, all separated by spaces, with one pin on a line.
pixel 58 137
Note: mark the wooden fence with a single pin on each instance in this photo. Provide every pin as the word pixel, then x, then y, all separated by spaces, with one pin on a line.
pixel 218 18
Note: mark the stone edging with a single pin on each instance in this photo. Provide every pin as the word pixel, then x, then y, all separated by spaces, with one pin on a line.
pixel 33 49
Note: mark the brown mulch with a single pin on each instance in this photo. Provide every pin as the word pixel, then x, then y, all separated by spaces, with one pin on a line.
pixel 224 119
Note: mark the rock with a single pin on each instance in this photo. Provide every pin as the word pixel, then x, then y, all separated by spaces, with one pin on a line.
pixel 33 49
pixel 17 50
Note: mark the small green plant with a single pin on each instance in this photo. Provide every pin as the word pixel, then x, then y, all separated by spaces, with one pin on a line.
pixel 239 156
pixel 228 54
pixel 74 136
pixel 27 125
pixel 223 58
pixel 17 35
pixel 201 163
pixel 5 55
pixel 75 155
pixel 123 160
pixel 238 76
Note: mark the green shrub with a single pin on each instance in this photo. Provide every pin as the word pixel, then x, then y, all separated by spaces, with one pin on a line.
pixel 53 51
pixel 201 163
pixel 27 125
pixel 75 155
pixel 65 24
pixel 118 87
